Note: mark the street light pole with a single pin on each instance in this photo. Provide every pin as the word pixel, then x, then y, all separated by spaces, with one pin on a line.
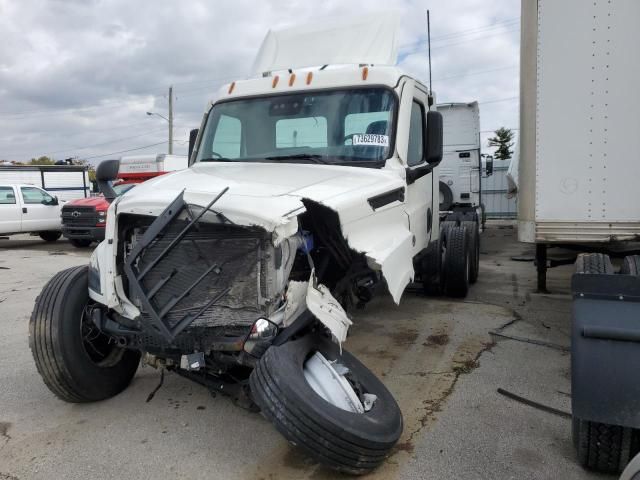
pixel 171 120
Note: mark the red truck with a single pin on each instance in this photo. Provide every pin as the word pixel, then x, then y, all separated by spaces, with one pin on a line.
pixel 84 219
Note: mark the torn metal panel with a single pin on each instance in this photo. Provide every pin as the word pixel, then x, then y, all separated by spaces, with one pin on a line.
pixel 327 309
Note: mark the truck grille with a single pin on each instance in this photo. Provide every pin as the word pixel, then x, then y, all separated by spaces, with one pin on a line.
pixel 187 274
pixel 79 216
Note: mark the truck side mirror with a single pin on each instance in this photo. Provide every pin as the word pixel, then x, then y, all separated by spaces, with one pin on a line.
pixel 193 134
pixel 488 166
pixel 434 138
pixel 106 173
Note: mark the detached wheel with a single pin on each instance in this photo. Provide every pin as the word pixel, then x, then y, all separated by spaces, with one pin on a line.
pixel 79 243
pixel 456 262
pixel 76 361
pixel 50 236
pixel 327 403
pixel 474 249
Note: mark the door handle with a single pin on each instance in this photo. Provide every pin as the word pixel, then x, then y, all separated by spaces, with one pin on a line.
pixel 24 209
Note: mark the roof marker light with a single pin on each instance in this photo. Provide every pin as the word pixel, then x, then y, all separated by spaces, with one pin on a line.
pixel 231 87
pixel 292 79
pixel 275 81
pixel 309 77
pixel 365 73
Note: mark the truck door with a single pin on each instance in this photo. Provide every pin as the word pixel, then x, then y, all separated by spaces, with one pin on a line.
pixel 10 211
pixel 419 202
pixel 40 211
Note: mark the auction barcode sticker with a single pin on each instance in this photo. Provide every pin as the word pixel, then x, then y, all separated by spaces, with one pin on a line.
pixel 371 139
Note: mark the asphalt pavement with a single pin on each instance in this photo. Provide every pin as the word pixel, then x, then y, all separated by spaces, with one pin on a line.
pixel 437 356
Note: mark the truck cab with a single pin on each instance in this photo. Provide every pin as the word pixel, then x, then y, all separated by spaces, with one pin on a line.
pixel 83 220
pixel 29 209
pixel 309 191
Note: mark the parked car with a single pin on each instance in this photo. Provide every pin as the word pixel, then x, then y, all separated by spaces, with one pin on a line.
pixel 29 209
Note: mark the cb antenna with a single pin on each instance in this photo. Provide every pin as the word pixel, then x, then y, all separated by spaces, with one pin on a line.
pixel 430 99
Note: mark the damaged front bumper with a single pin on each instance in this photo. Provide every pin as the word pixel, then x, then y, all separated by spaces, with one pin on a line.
pixel 199 282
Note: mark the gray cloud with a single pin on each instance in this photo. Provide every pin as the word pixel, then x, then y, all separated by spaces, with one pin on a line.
pixel 82 73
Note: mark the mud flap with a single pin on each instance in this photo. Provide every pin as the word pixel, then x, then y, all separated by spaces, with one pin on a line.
pixel 605 348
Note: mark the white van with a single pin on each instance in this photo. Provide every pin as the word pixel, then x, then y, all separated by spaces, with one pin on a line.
pixel 29 209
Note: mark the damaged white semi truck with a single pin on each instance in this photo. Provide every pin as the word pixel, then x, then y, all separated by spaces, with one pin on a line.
pixel 308 189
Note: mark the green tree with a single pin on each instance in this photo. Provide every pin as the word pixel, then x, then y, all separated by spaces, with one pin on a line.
pixel 503 141
pixel 42 161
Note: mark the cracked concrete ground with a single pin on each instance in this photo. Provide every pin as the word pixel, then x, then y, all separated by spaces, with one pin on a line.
pixel 437 356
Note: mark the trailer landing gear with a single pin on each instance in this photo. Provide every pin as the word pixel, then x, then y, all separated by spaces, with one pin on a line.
pixel 541 266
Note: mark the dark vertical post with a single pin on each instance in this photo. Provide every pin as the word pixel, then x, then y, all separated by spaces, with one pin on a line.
pixel 541 265
pixel 84 181
pixel 42 178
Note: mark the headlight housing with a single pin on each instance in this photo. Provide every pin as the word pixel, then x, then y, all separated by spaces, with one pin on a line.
pixel 262 334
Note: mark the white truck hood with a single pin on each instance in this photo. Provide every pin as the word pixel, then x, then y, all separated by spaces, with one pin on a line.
pixel 270 195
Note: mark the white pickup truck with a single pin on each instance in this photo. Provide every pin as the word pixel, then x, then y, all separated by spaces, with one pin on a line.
pixel 29 209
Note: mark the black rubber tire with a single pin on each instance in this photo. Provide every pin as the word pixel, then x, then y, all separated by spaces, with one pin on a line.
pixel 345 441
pixel 447 197
pixel 79 243
pixel 631 265
pixel 50 236
pixel 456 262
pixel 602 447
pixel 594 263
pixel 56 342
pixel 432 269
pixel 473 230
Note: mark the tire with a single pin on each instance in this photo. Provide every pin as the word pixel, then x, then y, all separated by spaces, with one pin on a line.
pixel 447 197
pixel 349 442
pixel 602 447
pixel 456 262
pixel 75 369
pixel 631 265
pixel 50 236
pixel 432 269
pixel 593 263
pixel 473 231
pixel 79 243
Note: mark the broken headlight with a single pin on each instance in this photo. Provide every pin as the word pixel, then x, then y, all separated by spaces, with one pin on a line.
pixel 262 334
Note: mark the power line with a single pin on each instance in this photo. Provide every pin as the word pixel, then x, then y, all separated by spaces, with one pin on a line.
pixel 125 151
pixel 479 72
pixel 110 141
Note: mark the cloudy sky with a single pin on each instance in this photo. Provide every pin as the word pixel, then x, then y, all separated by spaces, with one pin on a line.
pixel 77 76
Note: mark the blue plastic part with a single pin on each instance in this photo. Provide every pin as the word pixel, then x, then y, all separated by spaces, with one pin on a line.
pixel 307 241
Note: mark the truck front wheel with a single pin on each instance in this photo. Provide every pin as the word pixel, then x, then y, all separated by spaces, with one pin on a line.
pixel 50 236
pixel 77 362
pixel 80 243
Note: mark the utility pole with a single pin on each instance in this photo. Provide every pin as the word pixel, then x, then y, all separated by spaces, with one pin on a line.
pixel 171 120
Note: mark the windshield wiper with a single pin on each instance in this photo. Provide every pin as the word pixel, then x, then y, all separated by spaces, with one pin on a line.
pixel 315 158
pixel 217 159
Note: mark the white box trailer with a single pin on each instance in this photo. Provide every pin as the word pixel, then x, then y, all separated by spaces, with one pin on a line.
pixel 66 182
pixel 151 165
pixel 578 181
pixel 579 169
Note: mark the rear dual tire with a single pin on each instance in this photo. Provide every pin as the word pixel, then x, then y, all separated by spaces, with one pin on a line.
pixel 457 262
